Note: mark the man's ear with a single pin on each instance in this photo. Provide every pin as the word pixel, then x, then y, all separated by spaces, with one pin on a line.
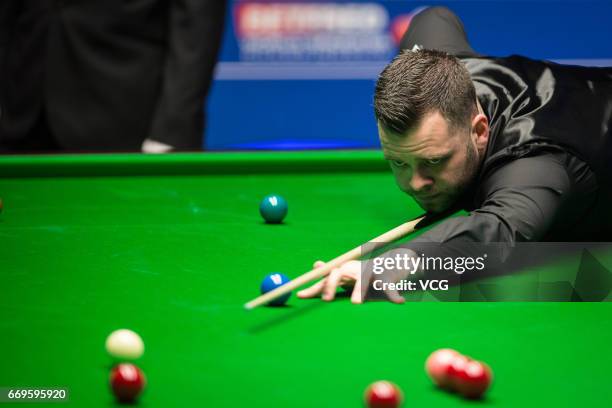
pixel 480 131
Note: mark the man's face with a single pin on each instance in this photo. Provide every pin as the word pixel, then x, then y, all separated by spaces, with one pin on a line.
pixel 433 163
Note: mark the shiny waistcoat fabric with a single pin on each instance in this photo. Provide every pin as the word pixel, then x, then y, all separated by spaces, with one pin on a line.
pixel 534 106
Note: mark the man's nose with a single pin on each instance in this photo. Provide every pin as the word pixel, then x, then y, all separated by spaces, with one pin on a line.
pixel 418 182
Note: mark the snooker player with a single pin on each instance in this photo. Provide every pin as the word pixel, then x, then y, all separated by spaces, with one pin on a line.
pixel 524 146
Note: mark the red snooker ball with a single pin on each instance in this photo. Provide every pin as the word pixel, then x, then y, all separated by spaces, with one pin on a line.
pixel 474 379
pixel 437 365
pixel 383 394
pixel 455 372
pixel 127 382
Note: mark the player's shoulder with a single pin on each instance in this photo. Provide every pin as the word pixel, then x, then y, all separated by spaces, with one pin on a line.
pixel 526 67
pixel 548 167
pixel 515 63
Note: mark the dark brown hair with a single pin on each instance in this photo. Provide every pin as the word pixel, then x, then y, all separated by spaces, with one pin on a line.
pixel 419 82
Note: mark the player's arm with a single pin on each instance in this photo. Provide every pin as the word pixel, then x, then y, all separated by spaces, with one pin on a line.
pixel 520 201
pixel 194 35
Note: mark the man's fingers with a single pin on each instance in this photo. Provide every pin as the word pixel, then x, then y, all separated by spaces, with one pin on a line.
pixel 361 282
pixel 318 264
pixel 356 297
pixel 312 291
pixel 331 284
pixel 347 284
pixel 315 289
pixel 347 275
pixel 394 296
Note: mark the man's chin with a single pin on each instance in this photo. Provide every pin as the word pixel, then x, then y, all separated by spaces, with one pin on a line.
pixel 434 206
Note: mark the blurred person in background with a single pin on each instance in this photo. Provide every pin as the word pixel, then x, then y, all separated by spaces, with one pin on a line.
pixel 106 75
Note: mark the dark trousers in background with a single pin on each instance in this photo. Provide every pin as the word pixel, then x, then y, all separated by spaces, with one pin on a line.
pixel 105 75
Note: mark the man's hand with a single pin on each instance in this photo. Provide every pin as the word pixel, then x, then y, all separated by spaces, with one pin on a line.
pixel 351 274
pixel 346 275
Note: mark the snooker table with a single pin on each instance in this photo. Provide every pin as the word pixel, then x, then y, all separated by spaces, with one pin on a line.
pixel 172 246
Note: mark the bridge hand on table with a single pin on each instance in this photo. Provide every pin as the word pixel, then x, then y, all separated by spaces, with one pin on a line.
pixel 348 275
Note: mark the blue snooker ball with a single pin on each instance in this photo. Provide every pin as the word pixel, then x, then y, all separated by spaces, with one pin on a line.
pixel 273 209
pixel 273 281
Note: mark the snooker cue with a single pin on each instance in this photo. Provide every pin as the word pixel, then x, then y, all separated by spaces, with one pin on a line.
pixel 322 271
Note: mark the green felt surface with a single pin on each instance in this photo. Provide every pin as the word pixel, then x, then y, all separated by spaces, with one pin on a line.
pixel 89 244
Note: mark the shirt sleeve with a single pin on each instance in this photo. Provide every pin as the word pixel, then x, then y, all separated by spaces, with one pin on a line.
pixel 194 35
pixel 518 202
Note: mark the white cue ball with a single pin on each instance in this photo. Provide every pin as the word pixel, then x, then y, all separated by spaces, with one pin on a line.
pixel 124 344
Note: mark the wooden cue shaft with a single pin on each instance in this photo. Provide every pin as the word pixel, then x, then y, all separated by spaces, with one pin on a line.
pixel 324 270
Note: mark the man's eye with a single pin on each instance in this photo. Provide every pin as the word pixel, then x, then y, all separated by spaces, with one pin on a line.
pixel 433 162
pixel 398 163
